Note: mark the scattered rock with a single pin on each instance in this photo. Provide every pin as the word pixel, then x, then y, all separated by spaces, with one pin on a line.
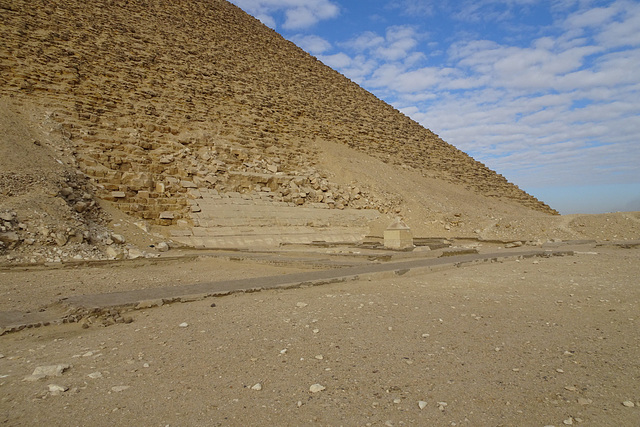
pixel 134 253
pixel 95 375
pixel 257 387
pixel 628 404
pixel 315 388
pixel 422 404
pixel 149 304
pixel 119 388
pixel 301 304
pixel 42 372
pixel 584 401
pixel 118 238
pixel 162 247
pixel 55 389
pixel 183 325
pixel 114 253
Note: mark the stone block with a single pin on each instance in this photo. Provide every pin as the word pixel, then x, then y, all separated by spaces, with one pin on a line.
pixel 188 184
pixel 398 236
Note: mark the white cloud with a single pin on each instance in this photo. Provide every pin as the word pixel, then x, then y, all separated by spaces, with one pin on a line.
pixel 337 61
pixel 313 44
pixel 298 14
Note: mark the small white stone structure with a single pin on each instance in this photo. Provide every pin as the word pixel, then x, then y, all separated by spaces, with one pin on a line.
pixel 398 236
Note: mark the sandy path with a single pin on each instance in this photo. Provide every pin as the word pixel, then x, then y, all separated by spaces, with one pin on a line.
pixel 537 342
pixel 30 289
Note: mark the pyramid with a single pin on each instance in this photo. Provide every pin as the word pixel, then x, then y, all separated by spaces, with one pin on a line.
pixel 165 104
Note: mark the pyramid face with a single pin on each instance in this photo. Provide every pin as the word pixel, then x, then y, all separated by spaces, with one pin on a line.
pixel 160 99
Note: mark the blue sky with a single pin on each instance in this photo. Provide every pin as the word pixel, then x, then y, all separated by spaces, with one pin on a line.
pixel 547 93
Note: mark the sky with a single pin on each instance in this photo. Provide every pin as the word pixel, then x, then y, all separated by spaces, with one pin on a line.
pixel 544 92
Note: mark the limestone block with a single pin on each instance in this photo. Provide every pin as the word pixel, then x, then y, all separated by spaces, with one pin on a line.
pixel 188 184
pixel 194 193
pixel 398 236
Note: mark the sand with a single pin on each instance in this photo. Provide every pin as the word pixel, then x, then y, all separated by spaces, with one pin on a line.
pixel 536 342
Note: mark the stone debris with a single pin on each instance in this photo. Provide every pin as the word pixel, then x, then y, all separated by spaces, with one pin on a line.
pixel 584 401
pixel 120 388
pixel 315 388
pixel 95 375
pixel 628 404
pixel 422 404
pixel 162 247
pixel 442 406
pixel 42 372
pixel 183 325
pixel 568 421
pixel 301 304
pixel 55 389
pixel 256 387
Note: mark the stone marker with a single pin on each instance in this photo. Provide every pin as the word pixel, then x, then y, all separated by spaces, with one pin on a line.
pixel 398 236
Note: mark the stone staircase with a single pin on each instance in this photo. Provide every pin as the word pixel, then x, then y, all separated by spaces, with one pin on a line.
pixel 235 220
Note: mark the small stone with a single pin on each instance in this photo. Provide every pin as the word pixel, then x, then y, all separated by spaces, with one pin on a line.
pixel 47 371
pixel 134 253
pixel 145 365
pixel 319 357
pixel 183 325
pixel 422 404
pixel 57 389
pixel 396 401
pixel 584 401
pixel 568 421
pixel 442 405
pixel 299 403
pixel 315 388
pixel 114 253
pixel 118 238
pixel 301 304
pixel 570 388
pixel 560 371
pixel 119 388
pixel 95 375
pixel 162 247
pixel 257 387
pixel 628 404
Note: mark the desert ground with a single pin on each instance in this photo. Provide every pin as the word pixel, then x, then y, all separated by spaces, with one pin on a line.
pixel 544 341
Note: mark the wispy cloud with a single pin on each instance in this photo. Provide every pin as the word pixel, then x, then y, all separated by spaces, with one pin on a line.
pixel 566 97
pixel 299 14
